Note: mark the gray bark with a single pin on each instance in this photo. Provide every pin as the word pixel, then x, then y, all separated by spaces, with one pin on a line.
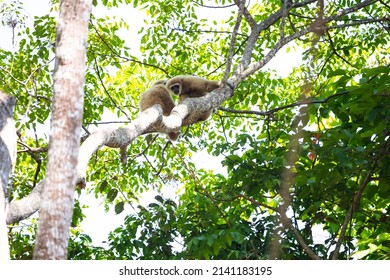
pixel 7 161
pixel 56 207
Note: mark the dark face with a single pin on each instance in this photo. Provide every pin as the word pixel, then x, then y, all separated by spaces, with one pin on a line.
pixel 175 89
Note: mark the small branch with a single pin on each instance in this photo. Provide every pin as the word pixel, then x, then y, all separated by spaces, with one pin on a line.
pixel 32 150
pixel 336 52
pixel 204 31
pixel 213 7
pixel 107 122
pixel 106 91
pixel 356 199
pixel 257 203
pixel 233 42
pixel 36 156
pixel 295 104
pixel 286 8
pixel 126 58
pixel 358 22
pixel 384 4
pixel 162 158
pixel 350 10
pixel 251 112
pixel 223 129
pixel 287 223
pixel 248 17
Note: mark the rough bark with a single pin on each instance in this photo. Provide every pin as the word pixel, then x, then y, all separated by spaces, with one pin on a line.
pixel 7 161
pixel 56 207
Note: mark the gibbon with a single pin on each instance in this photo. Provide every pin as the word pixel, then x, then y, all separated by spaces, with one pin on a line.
pixel 159 94
pixel 192 87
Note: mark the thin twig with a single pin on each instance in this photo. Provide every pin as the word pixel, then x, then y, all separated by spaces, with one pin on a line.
pixel 125 58
pixel 106 91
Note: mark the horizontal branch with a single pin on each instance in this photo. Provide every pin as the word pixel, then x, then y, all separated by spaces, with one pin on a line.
pixel 295 104
pixel 358 22
pixel 19 210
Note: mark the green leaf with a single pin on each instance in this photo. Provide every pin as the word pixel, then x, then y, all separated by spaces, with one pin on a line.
pixel 119 207
pixel 112 194
pixel 103 186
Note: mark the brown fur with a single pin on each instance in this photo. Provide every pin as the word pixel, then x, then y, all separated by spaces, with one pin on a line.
pixel 192 87
pixel 159 94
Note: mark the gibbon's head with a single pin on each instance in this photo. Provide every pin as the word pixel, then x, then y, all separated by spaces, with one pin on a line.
pixel 160 82
pixel 176 88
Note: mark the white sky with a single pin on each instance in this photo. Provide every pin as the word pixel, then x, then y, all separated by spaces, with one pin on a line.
pixel 98 222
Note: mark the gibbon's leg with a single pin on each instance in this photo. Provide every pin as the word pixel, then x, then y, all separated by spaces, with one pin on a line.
pixel 173 136
pixel 159 94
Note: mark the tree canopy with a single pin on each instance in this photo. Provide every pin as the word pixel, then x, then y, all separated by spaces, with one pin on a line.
pixel 304 153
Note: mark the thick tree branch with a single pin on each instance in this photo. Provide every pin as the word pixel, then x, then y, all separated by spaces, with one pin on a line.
pixel 116 138
pixel 19 210
pixel 7 161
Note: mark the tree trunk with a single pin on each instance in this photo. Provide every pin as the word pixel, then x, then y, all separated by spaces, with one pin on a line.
pixel 7 160
pixel 67 109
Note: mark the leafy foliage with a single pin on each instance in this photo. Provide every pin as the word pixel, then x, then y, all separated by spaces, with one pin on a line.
pixel 334 106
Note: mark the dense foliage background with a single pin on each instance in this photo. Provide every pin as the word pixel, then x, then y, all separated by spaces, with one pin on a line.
pixel 321 132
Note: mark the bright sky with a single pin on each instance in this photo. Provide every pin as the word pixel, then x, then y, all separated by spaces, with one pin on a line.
pixel 99 223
